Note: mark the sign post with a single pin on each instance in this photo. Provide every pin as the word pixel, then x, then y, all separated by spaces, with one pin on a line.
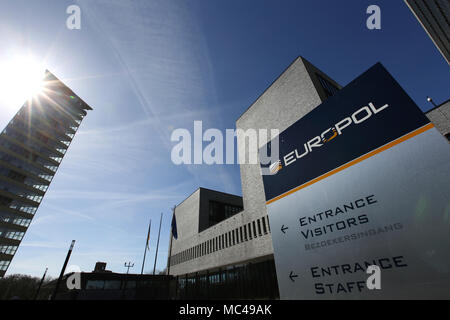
pixel 363 179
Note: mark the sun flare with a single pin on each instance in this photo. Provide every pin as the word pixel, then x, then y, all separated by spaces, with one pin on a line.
pixel 21 78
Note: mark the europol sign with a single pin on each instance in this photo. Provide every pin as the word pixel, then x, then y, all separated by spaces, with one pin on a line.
pixel 363 179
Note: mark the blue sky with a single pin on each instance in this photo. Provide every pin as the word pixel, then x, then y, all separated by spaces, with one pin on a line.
pixel 148 67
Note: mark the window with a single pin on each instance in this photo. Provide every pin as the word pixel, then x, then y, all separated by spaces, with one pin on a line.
pixel 254 229
pixel 245 233
pixel 250 230
pixel 219 211
pixel 264 225
pixel 15 235
pixel 11 250
pixel 13 219
pixel 112 285
pixel 259 227
pixel 95 284
pixel 4 264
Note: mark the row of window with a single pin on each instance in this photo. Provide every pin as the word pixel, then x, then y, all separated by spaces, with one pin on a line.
pixel 20 191
pixel 48 110
pixel 40 119
pixel 11 234
pixel 36 132
pixel 26 140
pixel 4 264
pixel 14 175
pixel 68 109
pixel 14 219
pixel 8 249
pixel 17 205
pixel 59 133
pixel 244 233
pixel 42 125
pixel 27 154
pixel 21 164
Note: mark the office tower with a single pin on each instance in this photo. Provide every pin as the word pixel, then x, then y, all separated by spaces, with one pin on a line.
pixel 434 15
pixel 216 230
pixel 32 147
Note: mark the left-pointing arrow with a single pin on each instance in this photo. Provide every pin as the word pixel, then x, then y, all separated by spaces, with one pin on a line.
pixel 292 276
pixel 283 228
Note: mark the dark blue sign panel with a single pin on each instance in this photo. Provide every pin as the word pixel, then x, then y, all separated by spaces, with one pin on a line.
pixel 368 113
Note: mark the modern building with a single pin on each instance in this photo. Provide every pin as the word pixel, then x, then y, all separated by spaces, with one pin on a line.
pixel 434 15
pixel 219 233
pixel 221 236
pixel 32 147
pixel 440 116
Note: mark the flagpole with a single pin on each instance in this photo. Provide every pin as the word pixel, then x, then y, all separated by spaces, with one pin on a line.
pixel 171 241
pixel 157 245
pixel 146 245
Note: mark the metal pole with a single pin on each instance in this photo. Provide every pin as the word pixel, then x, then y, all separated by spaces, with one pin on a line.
pixel 171 241
pixel 40 284
pixel 157 245
pixel 63 269
pixel 146 245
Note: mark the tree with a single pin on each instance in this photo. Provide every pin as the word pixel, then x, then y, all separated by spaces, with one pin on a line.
pixel 19 286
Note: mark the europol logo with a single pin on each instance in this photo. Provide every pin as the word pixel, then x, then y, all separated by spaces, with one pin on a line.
pixel 275 167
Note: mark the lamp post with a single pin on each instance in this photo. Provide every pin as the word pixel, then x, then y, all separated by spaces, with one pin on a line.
pixel 128 266
pixel 40 284
pixel 431 101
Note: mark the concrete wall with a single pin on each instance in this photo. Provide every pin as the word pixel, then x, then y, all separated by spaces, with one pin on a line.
pixel 440 117
pixel 295 93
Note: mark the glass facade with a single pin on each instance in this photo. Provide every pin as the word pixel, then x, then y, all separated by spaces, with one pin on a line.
pixel 242 282
pixel 329 88
pixel 219 211
pixel 32 146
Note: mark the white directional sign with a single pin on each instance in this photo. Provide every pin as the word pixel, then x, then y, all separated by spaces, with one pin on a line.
pixel 363 179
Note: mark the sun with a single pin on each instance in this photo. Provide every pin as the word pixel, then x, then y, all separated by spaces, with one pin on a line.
pixel 21 78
